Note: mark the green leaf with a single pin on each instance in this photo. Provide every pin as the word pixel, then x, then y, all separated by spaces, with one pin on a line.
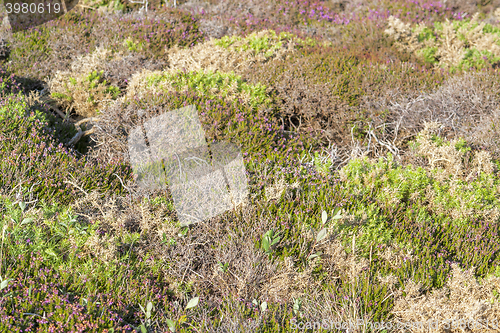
pixel 312 256
pixel 143 329
pixel 276 240
pixel 297 305
pixel 263 306
pixel 27 220
pixel 22 205
pixel 192 303
pixel 336 214
pixel 4 283
pixel 61 96
pixel 324 217
pixel 51 252
pixel 265 244
pixel 223 267
pixel 171 325
pixel 149 307
pixel 321 234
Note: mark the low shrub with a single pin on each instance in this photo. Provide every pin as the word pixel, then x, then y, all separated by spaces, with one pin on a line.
pixel 40 52
pixel 85 92
pixel 463 104
pixel 120 70
pixel 8 83
pixel 443 192
pixel 32 156
pixel 455 45
pixel 207 83
pixel 255 130
pixel 333 94
pixel 266 41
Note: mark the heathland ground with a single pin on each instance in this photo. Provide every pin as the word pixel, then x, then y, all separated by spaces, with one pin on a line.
pixel 370 136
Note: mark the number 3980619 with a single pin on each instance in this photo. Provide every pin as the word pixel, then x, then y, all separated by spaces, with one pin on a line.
pixel 32 8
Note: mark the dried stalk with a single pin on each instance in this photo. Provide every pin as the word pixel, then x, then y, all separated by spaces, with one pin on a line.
pixel 80 133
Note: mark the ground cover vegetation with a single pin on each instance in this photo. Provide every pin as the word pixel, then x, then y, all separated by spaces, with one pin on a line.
pixel 370 137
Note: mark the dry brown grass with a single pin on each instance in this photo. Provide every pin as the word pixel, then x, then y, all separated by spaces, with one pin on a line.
pixel 463 298
pixel 275 192
pixel 448 157
pixel 445 156
pixel 465 105
pixel 193 259
pixel 83 99
pixel 451 46
pixel 352 269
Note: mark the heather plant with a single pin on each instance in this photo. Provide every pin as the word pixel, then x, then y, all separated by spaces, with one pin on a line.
pixel 9 83
pixel 32 107
pixel 157 32
pixel 421 11
pixel 38 48
pixel 17 106
pixel 315 94
pixel 437 212
pixel 311 102
pixel 260 15
pixel 30 147
pixel 205 72
pixel 39 251
pixel 221 119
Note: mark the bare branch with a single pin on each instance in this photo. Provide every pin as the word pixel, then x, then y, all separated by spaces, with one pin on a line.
pixel 80 133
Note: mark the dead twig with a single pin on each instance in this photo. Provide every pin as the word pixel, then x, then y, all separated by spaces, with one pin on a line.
pixel 83 6
pixel 75 185
pixel 81 133
pixel 87 120
pixel 59 112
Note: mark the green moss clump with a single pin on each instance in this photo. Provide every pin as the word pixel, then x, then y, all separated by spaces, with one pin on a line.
pixel 213 85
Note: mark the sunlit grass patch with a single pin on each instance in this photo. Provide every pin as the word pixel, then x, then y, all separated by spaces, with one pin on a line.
pixel 206 83
pixel 265 42
pixel 455 45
